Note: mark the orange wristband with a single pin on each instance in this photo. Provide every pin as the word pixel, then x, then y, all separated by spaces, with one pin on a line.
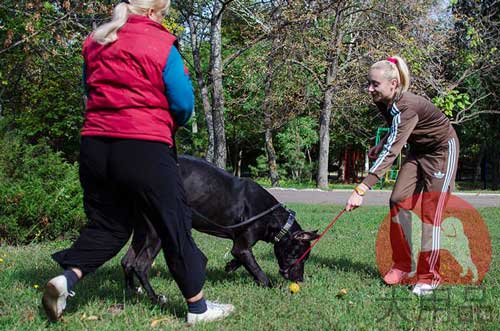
pixel 359 191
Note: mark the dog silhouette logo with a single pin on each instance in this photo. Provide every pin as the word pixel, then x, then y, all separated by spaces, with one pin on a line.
pixel 452 243
pixel 453 239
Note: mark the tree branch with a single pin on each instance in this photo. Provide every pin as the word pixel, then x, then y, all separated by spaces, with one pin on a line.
pixel 474 115
pixel 227 61
pixel 315 76
pixel 19 42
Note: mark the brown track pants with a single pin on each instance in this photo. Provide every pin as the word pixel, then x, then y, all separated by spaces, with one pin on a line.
pixel 428 178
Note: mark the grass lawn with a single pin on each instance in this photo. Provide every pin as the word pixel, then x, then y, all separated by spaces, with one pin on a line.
pixel 343 259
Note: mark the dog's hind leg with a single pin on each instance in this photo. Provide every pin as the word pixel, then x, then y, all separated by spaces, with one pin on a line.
pixel 147 245
pixel 128 269
pixel 139 258
pixel 142 266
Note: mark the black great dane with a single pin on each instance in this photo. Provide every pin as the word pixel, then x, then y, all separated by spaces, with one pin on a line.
pixel 228 207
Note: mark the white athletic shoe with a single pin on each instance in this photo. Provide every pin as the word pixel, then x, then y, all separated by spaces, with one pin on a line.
pixel 423 289
pixel 214 312
pixel 54 297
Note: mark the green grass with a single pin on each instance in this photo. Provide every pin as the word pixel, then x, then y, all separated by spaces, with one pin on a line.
pixel 344 258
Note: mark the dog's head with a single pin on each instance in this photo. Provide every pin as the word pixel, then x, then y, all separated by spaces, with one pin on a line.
pixel 289 249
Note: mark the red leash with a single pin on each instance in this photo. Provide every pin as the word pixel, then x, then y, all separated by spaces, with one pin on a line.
pixel 321 236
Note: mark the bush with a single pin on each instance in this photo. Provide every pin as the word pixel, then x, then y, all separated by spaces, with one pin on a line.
pixel 40 194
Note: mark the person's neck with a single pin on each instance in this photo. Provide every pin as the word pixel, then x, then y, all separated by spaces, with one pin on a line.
pixel 394 98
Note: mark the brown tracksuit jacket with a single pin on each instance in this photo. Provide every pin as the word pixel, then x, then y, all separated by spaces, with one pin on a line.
pixel 414 120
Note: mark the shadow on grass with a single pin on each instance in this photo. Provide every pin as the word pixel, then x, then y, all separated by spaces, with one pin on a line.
pixel 343 264
pixel 107 283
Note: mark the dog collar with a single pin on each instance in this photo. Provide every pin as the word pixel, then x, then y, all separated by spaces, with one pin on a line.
pixel 286 228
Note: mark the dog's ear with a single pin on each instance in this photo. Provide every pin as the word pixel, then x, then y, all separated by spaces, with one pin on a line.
pixel 306 235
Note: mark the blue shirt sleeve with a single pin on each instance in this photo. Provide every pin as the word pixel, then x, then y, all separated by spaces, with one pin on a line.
pixel 178 88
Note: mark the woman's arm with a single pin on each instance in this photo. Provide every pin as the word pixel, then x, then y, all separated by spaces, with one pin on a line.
pixel 178 88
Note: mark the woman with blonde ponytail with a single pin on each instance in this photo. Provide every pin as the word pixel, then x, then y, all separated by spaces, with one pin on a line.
pixel 428 170
pixel 138 93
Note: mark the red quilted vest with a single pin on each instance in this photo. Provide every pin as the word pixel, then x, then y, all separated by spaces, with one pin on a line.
pixel 126 92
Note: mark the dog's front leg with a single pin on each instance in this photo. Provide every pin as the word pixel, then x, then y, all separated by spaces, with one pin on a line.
pixel 248 261
pixel 232 265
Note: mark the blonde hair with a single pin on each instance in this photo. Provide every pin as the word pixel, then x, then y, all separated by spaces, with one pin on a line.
pixel 395 68
pixel 107 32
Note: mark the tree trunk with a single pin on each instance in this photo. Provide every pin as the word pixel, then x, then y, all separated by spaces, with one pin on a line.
pixel 326 111
pixel 266 107
pixel 271 158
pixel 324 139
pixel 238 164
pixel 477 169
pixel 220 152
pixel 207 109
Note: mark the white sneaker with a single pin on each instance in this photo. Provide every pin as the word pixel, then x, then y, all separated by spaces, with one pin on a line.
pixel 423 289
pixel 54 297
pixel 214 312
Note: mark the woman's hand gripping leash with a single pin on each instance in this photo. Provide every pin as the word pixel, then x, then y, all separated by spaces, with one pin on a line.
pixel 356 198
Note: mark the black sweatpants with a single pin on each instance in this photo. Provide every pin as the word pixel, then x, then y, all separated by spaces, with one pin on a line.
pixel 124 181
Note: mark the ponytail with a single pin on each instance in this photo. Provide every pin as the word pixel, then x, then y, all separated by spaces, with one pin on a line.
pixel 404 73
pixel 395 68
pixel 108 32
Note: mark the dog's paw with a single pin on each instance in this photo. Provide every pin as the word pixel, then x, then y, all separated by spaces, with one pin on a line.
pixel 264 282
pixel 232 265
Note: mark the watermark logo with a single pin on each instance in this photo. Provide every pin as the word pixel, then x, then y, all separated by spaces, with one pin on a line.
pixel 467 306
pixel 435 237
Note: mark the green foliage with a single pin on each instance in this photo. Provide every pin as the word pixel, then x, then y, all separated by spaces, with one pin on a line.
pixel 41 68
pixel 260 169
pixel 452 101
pixel 171 23
pixel 453 50
pixel 40 195
pixel 295 142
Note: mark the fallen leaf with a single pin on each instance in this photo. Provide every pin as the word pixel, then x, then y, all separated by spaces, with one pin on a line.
pixel 28 315
pixel 92 318
pixel 158 321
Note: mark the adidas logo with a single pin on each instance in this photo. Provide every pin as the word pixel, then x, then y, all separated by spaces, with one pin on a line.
pixel 439 175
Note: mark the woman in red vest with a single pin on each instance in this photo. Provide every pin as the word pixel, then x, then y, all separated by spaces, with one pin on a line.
pixel 138 93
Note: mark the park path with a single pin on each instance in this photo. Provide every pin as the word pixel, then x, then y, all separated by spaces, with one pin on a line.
pixel 373 198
